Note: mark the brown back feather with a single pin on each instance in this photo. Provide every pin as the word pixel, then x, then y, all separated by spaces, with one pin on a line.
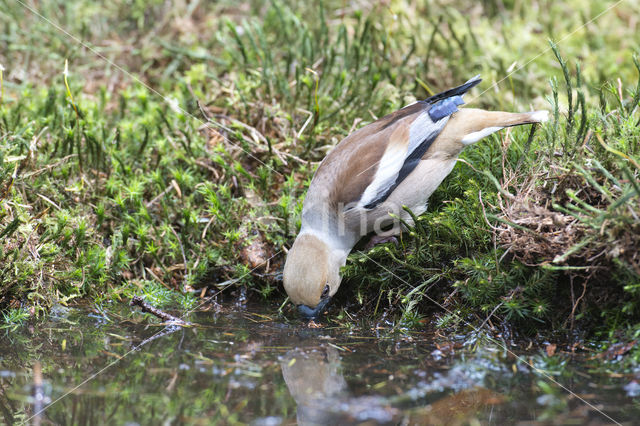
pixel 352 165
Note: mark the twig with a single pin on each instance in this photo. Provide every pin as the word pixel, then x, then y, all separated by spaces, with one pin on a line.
pixel 145 307
pixel 49 201
pixel 527 145
pixel 168 330
pixel 184 256
pixel 206 228
pixel 162 194
pixel 50 166
pixel 490 315
pixel 577 302
pixel 208 167
pixel 157 278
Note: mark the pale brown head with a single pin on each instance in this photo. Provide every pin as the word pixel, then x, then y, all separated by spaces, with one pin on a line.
pixel 311 274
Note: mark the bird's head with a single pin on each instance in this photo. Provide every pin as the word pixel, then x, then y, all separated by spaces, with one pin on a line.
pixel 311 274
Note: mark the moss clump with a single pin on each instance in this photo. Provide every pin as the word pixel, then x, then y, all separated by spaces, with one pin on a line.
pixel 108 188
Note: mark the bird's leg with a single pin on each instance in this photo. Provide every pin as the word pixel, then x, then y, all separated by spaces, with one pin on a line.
pixel 386 237
pixel 381 239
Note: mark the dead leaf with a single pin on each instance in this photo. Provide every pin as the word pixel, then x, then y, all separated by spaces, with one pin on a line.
pixel 551 349
pixel 254 255
pixel 176 187
pixel 313 324
pixel 618 349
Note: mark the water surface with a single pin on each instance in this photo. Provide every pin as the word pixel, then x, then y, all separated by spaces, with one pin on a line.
pixel 252 366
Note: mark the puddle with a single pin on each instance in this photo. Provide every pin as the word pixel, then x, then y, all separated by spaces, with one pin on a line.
pixel 254 367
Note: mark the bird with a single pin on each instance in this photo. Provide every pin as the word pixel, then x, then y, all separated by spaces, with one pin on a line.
pixel 366 180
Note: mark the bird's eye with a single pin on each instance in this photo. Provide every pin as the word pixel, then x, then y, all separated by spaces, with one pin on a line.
pixel 326 291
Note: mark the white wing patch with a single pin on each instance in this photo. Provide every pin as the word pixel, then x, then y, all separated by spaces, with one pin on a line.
pixel 388 168
pixel 476 136
pixel 422 130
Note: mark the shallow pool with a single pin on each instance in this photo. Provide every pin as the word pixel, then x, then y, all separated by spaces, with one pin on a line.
pixel 252 366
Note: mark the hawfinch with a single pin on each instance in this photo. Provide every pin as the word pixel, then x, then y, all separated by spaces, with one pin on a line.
pixel 398 160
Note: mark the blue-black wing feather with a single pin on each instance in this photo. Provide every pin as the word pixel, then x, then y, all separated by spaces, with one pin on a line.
pixel 456 91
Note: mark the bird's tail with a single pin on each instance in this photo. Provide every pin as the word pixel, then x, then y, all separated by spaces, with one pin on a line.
pixel 456 91
pixel 474 124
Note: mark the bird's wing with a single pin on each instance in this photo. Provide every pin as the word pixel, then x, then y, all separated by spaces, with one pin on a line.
pixel 365 168
pixel 408 143
pixel 404 153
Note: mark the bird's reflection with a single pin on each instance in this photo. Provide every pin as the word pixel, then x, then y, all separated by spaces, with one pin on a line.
pixel 314 378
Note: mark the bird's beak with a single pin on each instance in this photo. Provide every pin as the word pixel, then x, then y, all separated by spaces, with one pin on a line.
pixel 312 313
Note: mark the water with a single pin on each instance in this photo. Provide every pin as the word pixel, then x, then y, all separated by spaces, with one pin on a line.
pixel 251 366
